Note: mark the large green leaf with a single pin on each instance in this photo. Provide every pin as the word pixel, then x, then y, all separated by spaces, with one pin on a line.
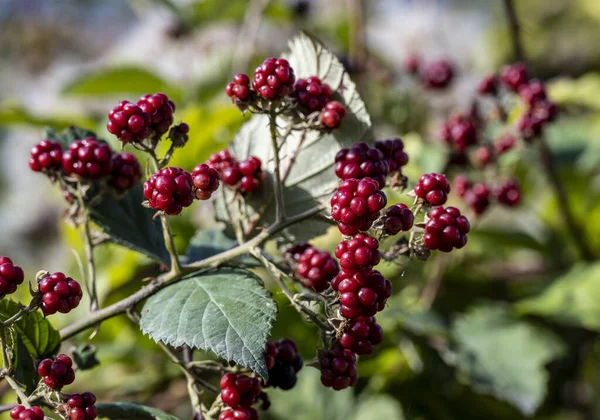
pixel 131 411
pixel 130 224
pixel 503 356
pixel 19 115
pixel 25 371
pixel 226 310
pixel 572 299
pixel 38 336
pixel 307 159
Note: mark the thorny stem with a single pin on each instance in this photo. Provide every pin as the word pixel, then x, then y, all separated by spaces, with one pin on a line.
pixel 277 186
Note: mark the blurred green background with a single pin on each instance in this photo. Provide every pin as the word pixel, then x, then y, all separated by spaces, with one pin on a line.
pixel 506 328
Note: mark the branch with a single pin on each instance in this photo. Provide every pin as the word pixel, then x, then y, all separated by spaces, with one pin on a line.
pixel 515 30
pixel 277 186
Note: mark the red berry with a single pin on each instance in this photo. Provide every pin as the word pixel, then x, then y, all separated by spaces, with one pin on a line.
pixel 22 413
pixel 513 76
pixel 11 276
pixel 362 293
pixel 315 268
pixel 532 92
pixel 360 253
pixel 478 198
pixel 412 64
pixel 285 363
pixel 446 229
pixel 312 94
pixel 438 74
pixel 362 161
pixel 461 185
pixel 239 414
pixel 529 126
pixel 433 189
pixel 274 78
pixel 206 181
pixel 126 171
pixel 488 85
pixel 88 158
pixel 483 156
pixel 504 144
pixel 357 204
pixel 509 193
pixel 82 406
pixel 128 122
pixel 160 109
pixel 239 89
pixel 333 114
pixel 57 373
pixel 459 132
pixel 338 369
pixel 239 390
pixel 59 294
pixel 398 218
pixel 361 335
pixel 45 156
pixel 169 190
pixel 393 152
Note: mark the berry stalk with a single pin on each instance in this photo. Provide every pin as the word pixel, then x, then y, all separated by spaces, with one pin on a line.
pixel 279 202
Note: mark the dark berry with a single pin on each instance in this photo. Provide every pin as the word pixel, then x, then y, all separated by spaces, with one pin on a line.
pixel 160 109
pixel 239 89
pixel 478 198
pixel 169 190
pixel 483 156
pixel 315 268
pixel 544 111
pixel 488 85
pixel 393 152
pixel 59 293
pixel 239 414
pixel 11 276
pixel 312 94
pixel 338 369
pixel 360 253
pixel 437 74
pixel 333 114
pixel 178 134
pixel 529 126
pixel 461 185
pixel 446 229
pixel 57 373
pixel 239 390
pixel 128 122
pixel 459 132
pixel 433 188
pixel 532 92
pixel 206 181
pixel 23 413
pixel 357 204
pixel 504 143
pixel 412 64
pixel 88 158
pixel 398 218
pixel 46 156
pixel 274 78
pixel 126 171
pixel 513 76
pixel 363 293
pixel 251 174
pixel 82 406
pixel 361 335
pixel 509 193
pixel 286 362
pixel 361 161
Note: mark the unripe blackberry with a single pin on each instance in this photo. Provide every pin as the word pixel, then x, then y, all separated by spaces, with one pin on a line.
pixel 312 94
pixel 239 414
pixel 412 64
pixel 274 78
pixel 483 156
pixel 461 185
pixel 286 362
pixel 82 406
pixel 544 111
pixel 529 126
pixel 57 373
pixel 239 390
pixel 59 293
pixel 338 369
pixel 206 181
pixel 504 144
pixel 227 166
pixel 128 122
pixel 178 134
pixel 45 156
pixel 239 89
pixel 160 109
pixel 88 158
pixel 446 229
pixel 363 293
pixel 361 161
pixel 393 152
pixel 11 276
pixel 459 132
pixel 361 335
pixel 532 92
pixel 478 198
pixel 333 114
pixel 357 204
pixel 315 268
pixel 251 174
pixel 126 171
pixel 21 412
pixel 433 189
pixel 509 193
pixel 398 218
pixel 488 85
pixel 169 190
pixel 437 74
pixel 360 253
pixel 513 76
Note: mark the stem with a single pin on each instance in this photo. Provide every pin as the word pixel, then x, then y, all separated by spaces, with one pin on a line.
pixel 277 187
pixel 577 234
pixel 7 367
pixel 15 318
pixel 515 30
pixel 13 384
pixel 168 278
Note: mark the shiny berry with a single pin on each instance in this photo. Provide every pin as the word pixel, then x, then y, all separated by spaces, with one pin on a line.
pixel 362 293
pixel 160 109
pixel 532 92
pixel 504 143
pixel 433 188
pixel 437 74
pixel 360 253
pixel 88 158
pixel 126 171
pixel 239 89
pixel 357 204
pixel 57 373
pixel 59 293
pixel 333 114
pixel 239 390
pixel 513 76
pixel 362 161
pixel 483 156
pixel 393 152
pixel 286 362
pixel 315 268
pixel 312 94
pixel 274 78
pixel 398 218
pixel 11 276
pixel 45 156
pixel 239 414
pixel 206 181
pixel 82 406
pixel 361 335
pixel 478 198
pixel 446 229
pixel 459 132
pixel 338 369
pixel 22 413
pixel 169 190
pixel 509 193
pixel 128 122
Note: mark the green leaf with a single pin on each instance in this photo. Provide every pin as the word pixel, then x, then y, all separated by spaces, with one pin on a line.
pixel 68 135
pixel 227 311
pixel 572 299
pixel 503 356
pixel 131 411
pixel 25 371
pixel 84 357
pixel 130 224
pixel 39 337
pixel 311 176
pixel 212 241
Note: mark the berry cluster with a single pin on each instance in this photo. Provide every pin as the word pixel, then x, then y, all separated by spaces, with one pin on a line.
pixel 59 293
pixel 338 368
pixel 362 161
pixel 361 335
pixel 438 74
pixel 446 229
pixel 509 193
pixel 513 76
pixel 57 373
pixel 479 196
pixel 82 406
pixel 88 158
pixel 360 253
pixel 459 132
pixel 283 362
pixel 206 181
pixel 274 78
pixel 169 190
pixel 239 392
pixel 239 89
pixel 398 218
pixel 488 85
pixel 333 114
pixel 23 413
pixel 312 94
pixel 357 204
pixel 393 152
pixel 315 268
pixel 433 189
pixel 160 109
pixel 126 171
pixel 363 293
pixel 11 276
pixel 45 156
pixel 246 175
pixel 239 414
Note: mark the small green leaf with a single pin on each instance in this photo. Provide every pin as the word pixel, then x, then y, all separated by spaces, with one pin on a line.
pixel 501 355
pixel 25 371
pixel 130 224
pixel 572 299
pixel 68 135
pixel 131 411
pixel 39 337
pixel 209 242
pixel 227 311
pixel 84 357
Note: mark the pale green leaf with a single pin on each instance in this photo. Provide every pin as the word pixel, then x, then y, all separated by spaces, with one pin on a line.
pixel 130 411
